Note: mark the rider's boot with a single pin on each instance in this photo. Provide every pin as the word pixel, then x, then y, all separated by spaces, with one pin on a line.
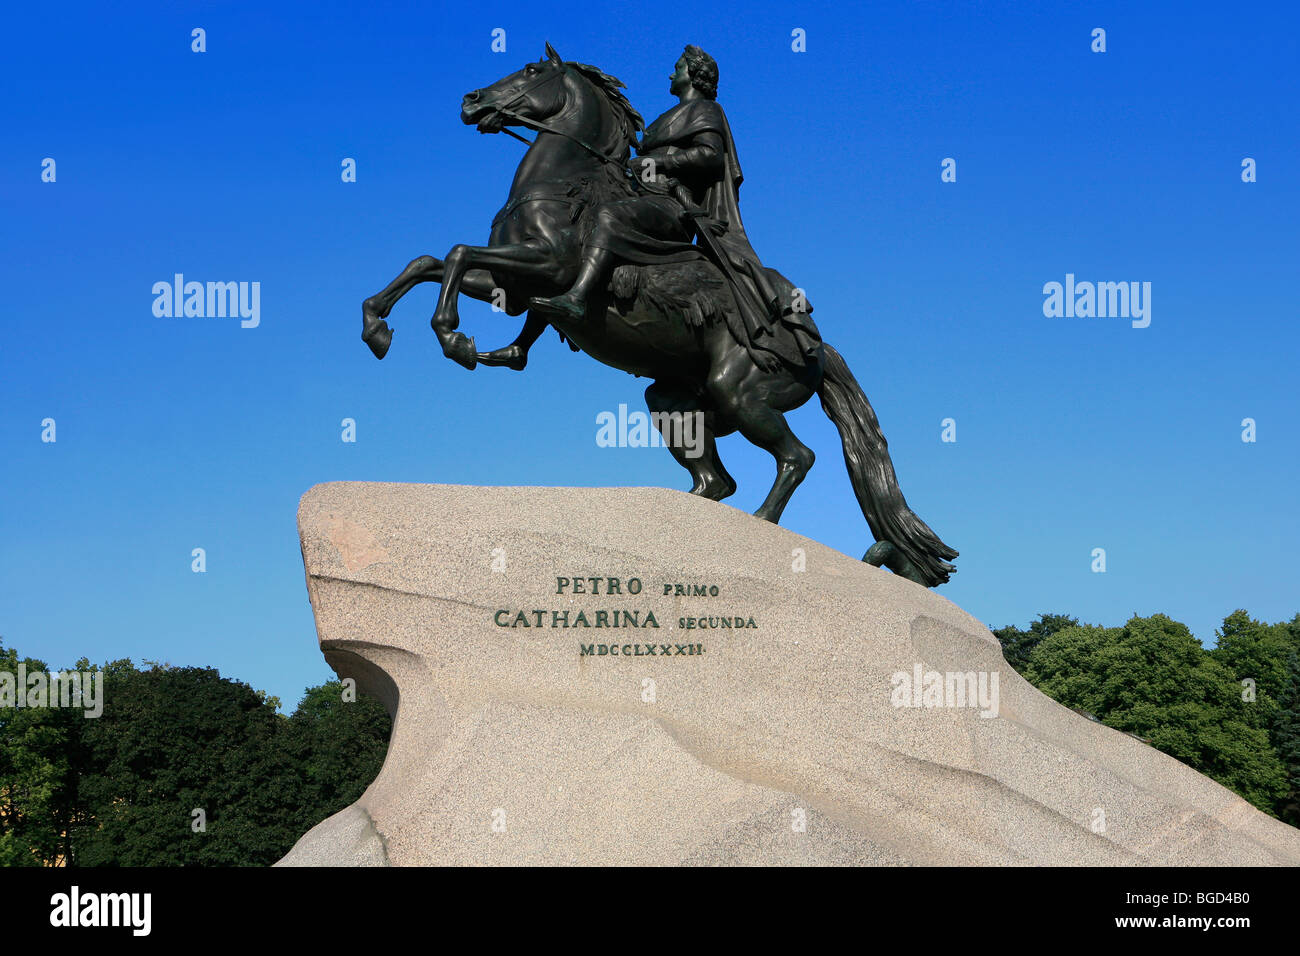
pixel 591 276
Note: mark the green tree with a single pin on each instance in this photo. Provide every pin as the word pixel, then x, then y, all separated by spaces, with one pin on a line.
pixel 1264 654
pixel 37 776
pixel 1285 737
pixel 1256 651
pixel 1154 679
pixel 1017 645
pixel 122 789
pixel 172 741
pixel 340 744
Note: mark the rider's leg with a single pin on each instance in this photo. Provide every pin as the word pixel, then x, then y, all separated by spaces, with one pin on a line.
pixel 615 222
pixel 650 221
pixel 597 265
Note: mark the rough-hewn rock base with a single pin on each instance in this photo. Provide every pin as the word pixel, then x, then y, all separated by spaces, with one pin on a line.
pixel 773 744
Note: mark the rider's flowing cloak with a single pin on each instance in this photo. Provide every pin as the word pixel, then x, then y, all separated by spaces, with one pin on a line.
pixel 767 291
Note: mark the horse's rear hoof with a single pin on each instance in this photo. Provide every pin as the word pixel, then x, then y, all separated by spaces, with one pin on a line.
pixel 379 339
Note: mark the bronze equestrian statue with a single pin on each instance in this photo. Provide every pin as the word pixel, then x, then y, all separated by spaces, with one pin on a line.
pixel 599 246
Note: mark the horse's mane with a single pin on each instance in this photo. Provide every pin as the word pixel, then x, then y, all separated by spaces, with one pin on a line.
pixel 629 120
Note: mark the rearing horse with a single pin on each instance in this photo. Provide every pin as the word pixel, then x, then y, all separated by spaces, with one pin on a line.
pixel 664 322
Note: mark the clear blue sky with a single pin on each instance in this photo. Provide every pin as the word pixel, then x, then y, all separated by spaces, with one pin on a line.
pixel 1072 434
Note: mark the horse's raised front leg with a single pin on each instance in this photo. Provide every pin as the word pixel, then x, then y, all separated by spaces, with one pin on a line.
pixel 515 355
pixel 375 332
pixel 531 259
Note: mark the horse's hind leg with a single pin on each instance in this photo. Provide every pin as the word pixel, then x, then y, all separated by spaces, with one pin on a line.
pixel 689 431
pixel 767 428
pixel 751 400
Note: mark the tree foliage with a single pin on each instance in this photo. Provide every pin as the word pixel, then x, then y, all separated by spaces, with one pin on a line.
pixel 1152 678
pixel 123 789
pixel 36 776
pixel 183 768
pixel 1017 645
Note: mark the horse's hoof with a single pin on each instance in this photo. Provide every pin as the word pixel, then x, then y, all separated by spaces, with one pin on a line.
pixel 715 490
pixel 460 349
pixel 511 357
pixel 379 337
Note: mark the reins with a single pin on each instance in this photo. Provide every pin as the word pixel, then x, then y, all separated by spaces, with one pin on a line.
pixel 540 126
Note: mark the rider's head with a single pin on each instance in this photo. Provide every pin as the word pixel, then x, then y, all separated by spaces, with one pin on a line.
pixel 703 70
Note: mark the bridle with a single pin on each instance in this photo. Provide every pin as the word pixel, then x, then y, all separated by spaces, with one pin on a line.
pixel 542 127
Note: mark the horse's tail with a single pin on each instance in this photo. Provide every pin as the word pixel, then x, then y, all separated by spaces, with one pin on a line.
pixel 872 473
